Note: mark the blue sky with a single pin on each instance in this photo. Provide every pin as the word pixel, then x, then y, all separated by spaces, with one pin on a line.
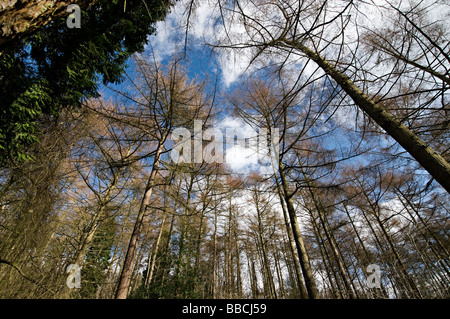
pixel 202 63
pixel 227 66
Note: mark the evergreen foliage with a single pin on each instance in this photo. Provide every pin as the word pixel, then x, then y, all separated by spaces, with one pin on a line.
pixel 58 67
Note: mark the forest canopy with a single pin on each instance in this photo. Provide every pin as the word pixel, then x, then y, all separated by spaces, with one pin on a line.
pixel 228 149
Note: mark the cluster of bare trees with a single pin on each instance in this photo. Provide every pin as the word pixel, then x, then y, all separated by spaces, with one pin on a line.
pixel 339 194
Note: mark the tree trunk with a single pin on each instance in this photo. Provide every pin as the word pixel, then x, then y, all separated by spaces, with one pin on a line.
pixel 298 272
pixel 434 163
pixel 279 272
pixel 412 285
pixel 265 260
pixel 214 279
pixel 443 260
pixel 331 272
pixel 125 276
pixel 183 235
pixel 166 270
pixel 254 280
pixel 301 249
pixel 238 263
pixel 330 238
pixel 154 252
pixel 367 254
pixel 19 19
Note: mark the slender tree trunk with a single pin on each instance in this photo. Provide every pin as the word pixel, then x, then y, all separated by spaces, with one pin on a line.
pixel 347 268
pixel 198 243
pixel 331 272
pixel 88 237
pixel 382 250
pixel 118 252
pixel 443 260
pixel 366 252
pixel 214 281
pixel 282 293
pixel 330 239
pixel 253 279
pixel 165 271
pixel 288 259
pixel 229 253
pixel 238 263
pixel 134 282
pixel 368 258
pixel 154 253
pixel 399 265
pixel 265 260
pixel 301 249
pixel 298 272
pixel 266 286
pixel 127 269
pixel 184 224
pixel 412 285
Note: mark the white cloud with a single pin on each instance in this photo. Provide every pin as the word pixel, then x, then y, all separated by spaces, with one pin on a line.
pixel 238 157
pixel 244 155
pixel 233 64
pixel 205 29
pixel 168 37
pixel 202 20
pixel 241 159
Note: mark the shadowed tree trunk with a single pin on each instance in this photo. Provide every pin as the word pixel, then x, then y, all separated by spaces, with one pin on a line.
pixel 19 19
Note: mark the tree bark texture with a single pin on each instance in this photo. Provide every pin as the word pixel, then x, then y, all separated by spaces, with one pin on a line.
pixel 19 19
